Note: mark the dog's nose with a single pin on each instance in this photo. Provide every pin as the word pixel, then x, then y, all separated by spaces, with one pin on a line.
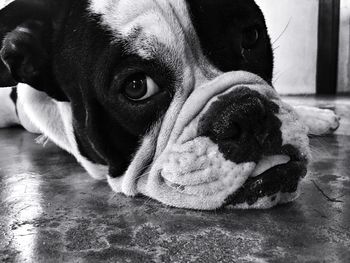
pixel 243 124
pixel 237 119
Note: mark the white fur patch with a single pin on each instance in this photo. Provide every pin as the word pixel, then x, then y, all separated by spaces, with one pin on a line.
pixel 199 168
pixel 154 17
pixel 44 114
pixel 205 197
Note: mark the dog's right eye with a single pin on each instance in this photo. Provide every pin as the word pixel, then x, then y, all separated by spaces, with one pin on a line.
pixel 140 87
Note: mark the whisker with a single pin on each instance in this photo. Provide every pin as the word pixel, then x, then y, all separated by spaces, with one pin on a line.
pixel 282 33
pixel 320 148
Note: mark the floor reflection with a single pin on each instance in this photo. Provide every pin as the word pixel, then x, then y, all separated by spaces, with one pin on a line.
pixel 24 197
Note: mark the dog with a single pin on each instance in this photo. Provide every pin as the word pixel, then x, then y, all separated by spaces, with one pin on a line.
pixel 172 100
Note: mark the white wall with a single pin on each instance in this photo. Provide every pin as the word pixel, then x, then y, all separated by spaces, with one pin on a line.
pixel 344 48
pixel 296 49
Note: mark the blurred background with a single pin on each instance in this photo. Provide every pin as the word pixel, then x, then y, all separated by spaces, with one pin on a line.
pixel 311 45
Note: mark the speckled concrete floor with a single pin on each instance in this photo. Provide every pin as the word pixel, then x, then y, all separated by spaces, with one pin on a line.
pixel 51 211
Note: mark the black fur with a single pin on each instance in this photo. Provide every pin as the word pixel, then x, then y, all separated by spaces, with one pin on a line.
pixel 223 27
pixel 13 95
pixel 10 17
pixel 27 55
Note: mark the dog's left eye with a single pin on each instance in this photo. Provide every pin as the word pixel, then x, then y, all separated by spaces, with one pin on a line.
pixel 140 87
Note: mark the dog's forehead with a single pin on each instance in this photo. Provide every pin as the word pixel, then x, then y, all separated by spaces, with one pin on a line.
pixel 161 21
pixel 121 13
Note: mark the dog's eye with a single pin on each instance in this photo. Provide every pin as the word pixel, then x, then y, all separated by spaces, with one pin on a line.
pixel 250 37
pixel 140 87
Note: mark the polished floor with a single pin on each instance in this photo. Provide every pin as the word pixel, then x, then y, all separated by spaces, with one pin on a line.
pixel 51 211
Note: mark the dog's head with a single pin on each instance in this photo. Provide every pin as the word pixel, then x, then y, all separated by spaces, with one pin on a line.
pixel 175 98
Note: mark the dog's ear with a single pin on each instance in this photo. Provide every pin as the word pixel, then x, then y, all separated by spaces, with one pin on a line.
pixel 27 29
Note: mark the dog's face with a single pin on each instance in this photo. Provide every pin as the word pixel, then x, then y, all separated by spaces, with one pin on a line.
pixel 174 97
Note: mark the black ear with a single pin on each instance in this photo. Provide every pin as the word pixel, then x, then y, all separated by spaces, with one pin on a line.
pixel 26 29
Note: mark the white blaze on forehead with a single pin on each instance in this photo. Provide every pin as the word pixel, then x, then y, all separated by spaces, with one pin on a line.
pixel 162 19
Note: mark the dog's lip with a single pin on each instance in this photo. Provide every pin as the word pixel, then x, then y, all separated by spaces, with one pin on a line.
pixel 282 178
pixel 182 187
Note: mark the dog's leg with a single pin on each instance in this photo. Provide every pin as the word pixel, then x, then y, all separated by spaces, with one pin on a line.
pixel 12 112
pixel 319 121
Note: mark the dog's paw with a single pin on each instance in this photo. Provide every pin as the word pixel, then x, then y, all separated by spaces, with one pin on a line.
pixel 23 52
pixel 319 121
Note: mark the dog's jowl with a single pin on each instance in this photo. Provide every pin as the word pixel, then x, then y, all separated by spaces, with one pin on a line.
pixel 169 99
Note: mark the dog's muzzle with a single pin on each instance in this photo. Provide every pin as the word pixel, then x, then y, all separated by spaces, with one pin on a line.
pixel 234 143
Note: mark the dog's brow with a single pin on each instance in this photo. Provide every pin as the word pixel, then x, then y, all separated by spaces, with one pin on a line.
pixel 149 47
pixel 145 48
